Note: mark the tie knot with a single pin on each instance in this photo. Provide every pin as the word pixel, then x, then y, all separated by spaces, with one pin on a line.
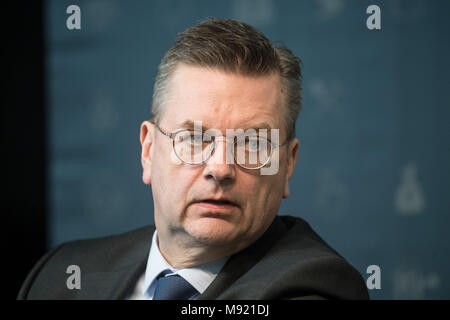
pixel 173 287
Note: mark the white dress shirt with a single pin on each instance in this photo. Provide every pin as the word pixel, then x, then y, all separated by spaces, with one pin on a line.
pixel 200 277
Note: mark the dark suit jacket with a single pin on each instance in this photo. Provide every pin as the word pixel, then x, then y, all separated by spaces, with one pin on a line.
pixel 290 261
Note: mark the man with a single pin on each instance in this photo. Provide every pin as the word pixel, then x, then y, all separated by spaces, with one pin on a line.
pixel 216 194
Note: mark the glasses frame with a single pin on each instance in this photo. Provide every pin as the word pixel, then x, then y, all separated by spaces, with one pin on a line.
pixel 172 135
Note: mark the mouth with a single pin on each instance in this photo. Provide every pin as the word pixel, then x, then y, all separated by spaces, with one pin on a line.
pixel 218 202
pixel 216 205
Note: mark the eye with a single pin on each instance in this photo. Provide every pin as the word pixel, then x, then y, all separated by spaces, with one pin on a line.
pixel 252 144
pixel 196 138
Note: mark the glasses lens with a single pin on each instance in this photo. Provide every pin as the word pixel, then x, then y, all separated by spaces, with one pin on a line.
pixel 192 147
pixel 252 152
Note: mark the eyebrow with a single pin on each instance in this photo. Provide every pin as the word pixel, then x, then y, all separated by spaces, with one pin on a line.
pixel 262 125
pixel 189 124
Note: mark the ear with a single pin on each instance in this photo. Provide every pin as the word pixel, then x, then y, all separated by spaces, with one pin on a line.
pixel 292 154
pixel 146 138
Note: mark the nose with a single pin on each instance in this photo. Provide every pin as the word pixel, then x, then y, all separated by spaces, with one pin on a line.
pixel 220 166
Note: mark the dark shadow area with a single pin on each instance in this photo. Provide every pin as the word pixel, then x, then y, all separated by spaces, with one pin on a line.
pixel 24 141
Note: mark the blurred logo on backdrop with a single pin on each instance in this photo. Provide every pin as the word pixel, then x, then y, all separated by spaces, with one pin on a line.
pixel 409 196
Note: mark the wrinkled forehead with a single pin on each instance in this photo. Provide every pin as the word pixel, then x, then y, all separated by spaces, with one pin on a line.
pixel 222 100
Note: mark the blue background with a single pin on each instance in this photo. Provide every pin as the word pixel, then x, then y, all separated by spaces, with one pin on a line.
pixel 373 172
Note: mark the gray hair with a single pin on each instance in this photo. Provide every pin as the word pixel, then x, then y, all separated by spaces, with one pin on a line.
pixel 236 47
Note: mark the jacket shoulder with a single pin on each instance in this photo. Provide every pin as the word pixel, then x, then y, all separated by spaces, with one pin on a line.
pixel 107 253
pixel 300 265
pixel 313 267
pixel 93 256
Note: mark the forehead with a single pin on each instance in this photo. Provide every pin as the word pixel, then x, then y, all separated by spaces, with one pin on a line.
pixel 222 100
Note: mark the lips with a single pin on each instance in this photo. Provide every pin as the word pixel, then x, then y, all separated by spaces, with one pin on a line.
pixel 216 205
pixel 218 202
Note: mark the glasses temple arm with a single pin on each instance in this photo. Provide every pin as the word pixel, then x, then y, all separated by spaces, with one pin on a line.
pixel 163 132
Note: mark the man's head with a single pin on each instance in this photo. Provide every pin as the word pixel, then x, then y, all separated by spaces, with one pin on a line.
pixel 227 75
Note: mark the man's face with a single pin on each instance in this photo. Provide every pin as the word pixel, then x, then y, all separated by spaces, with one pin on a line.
pixel 184 194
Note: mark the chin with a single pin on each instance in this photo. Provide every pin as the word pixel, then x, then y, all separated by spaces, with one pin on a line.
pixel 213 231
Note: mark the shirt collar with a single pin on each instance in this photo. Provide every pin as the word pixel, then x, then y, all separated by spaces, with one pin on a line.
pixel 200 277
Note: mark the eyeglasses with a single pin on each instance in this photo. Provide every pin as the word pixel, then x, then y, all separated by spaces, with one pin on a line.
pixel 196 147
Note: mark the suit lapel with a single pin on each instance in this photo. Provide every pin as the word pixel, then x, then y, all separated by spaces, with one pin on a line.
pixel 121 281
pixel 126 281
pixel 241 262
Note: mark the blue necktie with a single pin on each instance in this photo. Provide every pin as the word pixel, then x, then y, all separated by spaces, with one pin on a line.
pixel 173 287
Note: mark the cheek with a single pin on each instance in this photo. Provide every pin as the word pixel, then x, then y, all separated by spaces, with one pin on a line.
pixel 256 193
pixel 176 186
pixel 266 195
pixel 167 183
